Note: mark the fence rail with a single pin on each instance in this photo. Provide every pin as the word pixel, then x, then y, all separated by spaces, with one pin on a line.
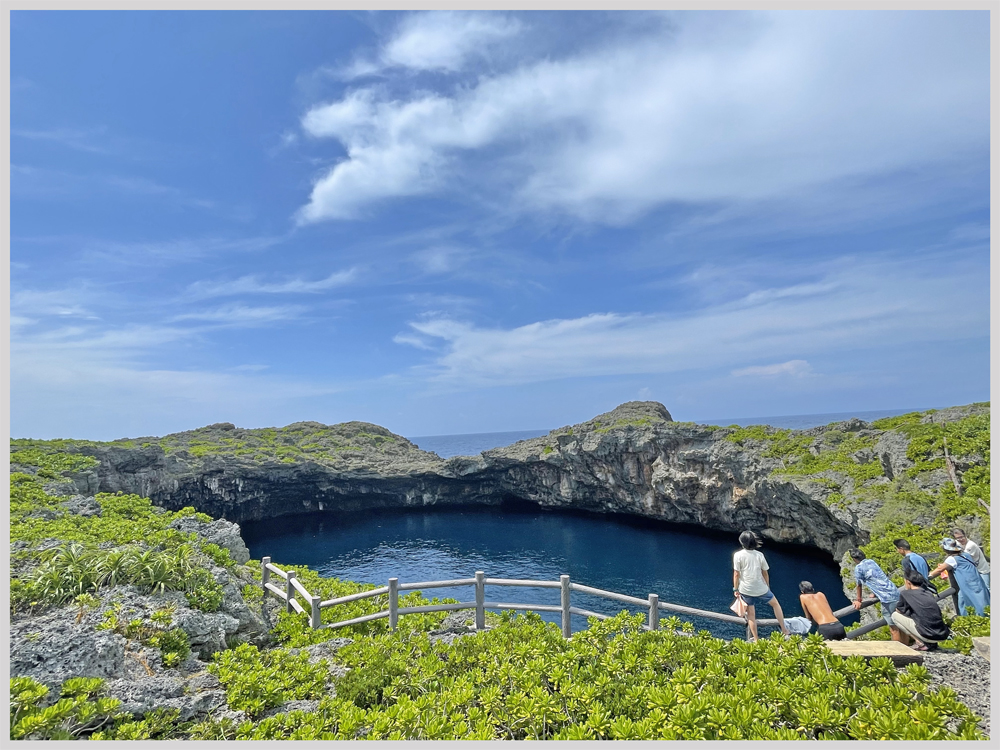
pixel 312 605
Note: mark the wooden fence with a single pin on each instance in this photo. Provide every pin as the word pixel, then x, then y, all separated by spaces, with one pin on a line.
pixel 292 589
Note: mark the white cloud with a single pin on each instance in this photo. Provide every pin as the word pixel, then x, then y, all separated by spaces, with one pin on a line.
pixel 794 367
pixel 747 107
pixel 253 285
pixel 62 303
pixel 242 315
pixel 859 304
pixel 445 40
pixel 440 41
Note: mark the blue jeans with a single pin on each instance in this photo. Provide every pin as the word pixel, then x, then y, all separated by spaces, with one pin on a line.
pixel 887 609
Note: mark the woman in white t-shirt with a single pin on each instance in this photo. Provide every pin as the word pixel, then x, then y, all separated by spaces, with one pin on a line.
pixel 751 582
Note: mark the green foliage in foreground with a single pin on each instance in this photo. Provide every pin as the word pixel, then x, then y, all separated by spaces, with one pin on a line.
pixel 523 680
pixel 79 711
pixel 129 542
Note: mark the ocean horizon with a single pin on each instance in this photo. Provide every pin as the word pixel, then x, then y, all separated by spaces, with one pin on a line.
pixel 469 444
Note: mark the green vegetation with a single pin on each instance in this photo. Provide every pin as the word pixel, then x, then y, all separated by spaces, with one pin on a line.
pixel 617 424
pixel 80 710
pixel 157 632
pixel 523 680
pixel 129 542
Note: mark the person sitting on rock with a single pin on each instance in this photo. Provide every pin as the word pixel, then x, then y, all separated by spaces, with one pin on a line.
pixel 868 573
pixel 913 561
pixel 752 584
pixel 972 592
pixel 817 609
pixel 919 616
pixel 977 555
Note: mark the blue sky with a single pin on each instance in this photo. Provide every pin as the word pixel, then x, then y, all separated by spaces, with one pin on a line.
pixel 469 222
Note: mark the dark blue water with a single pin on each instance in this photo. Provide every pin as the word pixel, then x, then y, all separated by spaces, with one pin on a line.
pixel 629 555
pixel 447 446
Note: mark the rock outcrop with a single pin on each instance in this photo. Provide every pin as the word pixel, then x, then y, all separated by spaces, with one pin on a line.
pixel 632 460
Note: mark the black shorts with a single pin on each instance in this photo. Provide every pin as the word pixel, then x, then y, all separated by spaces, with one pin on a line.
pixel 832 631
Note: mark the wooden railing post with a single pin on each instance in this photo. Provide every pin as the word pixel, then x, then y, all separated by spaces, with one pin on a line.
pixel 393 602
pixel 314 612
pixel 265 574
pixel 654 611
pixel 290 591
pixel 567 630
pixel 480 600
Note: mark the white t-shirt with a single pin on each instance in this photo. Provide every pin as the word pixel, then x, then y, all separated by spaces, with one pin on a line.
pixel 982 565
pixel 750 562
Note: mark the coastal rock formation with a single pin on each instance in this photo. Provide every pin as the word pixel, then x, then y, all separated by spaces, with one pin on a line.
pixel 634 460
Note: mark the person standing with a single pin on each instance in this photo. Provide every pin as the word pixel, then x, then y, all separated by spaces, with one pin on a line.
pixel 913 561
pixel 868 573
pixel 977 555
pixel 972 591
pixel 817 609
pixel 752 583
pixel 919 616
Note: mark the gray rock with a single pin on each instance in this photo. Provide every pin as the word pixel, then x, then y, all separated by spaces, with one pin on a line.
pixel 220 532
pixel 51 647
pixel 82 506
pixel 289 706
pixel 969 676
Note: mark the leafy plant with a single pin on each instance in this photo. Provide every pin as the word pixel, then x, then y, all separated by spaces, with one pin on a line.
pixel 80 710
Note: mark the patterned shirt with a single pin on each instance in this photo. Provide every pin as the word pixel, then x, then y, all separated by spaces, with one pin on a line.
pixel 871 575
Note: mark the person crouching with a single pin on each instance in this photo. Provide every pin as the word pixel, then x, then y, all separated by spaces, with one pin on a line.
pixel 918 615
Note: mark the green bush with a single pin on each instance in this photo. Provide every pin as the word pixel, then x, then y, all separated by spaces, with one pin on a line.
pixel 80 710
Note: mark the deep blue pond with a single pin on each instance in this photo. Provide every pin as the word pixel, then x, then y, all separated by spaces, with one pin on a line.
pixel 634 556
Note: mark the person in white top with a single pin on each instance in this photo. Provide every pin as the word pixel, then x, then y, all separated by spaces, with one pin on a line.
pixel 752 584
pixel 977 555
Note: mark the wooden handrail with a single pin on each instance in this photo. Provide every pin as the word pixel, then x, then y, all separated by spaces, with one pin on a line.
pixel 652 603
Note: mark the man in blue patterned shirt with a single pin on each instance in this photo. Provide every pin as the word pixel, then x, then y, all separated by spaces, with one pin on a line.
pixel 868 573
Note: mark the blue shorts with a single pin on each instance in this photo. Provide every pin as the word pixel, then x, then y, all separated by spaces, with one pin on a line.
pixel 755 601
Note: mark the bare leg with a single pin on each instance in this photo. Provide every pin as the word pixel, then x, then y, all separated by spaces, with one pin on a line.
pixel 779 614
pixel 897 635
pixel 752 622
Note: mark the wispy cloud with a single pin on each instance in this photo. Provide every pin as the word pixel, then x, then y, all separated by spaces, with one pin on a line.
pixel 254 285
pixel 243 315
pixel 859 303
pixel 79 140
pixel 760 105
pixel 794 367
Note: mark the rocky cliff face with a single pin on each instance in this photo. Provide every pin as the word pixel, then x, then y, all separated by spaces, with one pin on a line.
pixel 632 460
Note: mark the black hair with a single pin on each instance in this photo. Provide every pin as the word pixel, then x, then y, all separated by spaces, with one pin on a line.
pixel 900 544
pixel 806 588
pixel 960 531
pixel 916 578
pixel 749 540
pixel 856 554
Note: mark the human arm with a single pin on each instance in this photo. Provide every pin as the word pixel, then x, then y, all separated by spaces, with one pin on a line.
pixel 736 581
pixel 767 579
pixel 805 607
pixel 939 570
pixel 857 601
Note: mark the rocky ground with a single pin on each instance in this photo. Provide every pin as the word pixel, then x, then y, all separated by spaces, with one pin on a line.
pixel 969 676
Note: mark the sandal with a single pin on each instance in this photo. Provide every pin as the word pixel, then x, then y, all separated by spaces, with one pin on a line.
pixel 919 647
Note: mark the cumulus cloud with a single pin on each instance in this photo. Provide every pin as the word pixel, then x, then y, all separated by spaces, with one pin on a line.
pixel 747 107
pixel 441 41
pixel 794 367
pixel 253 285
pixel 858 304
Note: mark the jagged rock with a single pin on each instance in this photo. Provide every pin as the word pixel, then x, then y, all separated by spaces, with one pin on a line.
pixel 82 506
pixel 289 706
pixel 220 532
pixel 52 647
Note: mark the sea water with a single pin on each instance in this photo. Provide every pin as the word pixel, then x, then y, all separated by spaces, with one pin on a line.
pixel 630 555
